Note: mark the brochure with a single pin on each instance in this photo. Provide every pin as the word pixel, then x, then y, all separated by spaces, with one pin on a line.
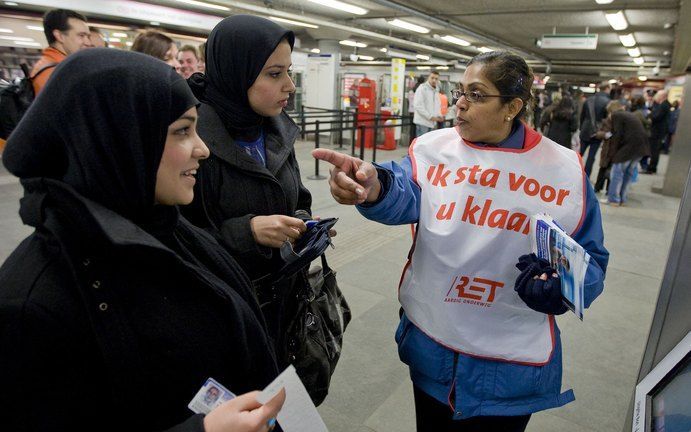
pixel 550 242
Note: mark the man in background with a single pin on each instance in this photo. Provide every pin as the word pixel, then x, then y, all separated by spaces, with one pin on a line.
pixel 594 112
pixel 66 32
pixel 189 60
pixel 97 39
pixel 427 105
pixel 659 128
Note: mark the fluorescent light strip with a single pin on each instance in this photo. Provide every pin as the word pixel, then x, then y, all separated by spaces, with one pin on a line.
pixel 4 30
pixel 442 68
pixel 424 67
pixel 35 27
pixel 353 43
pixel 107 26
pixel 617 20
pixel 638 60
pixel 297 23
pixel 408 26
pixel 485 49
pixel 455 40
pixel 627 40
pixel 33 44
pixel 383 49
pixel 120 35
pixel 603 1
pixel 422 57
pixel 204 5
pixel 11 3
pixel 315 50
pixel 113 39
pixel 366 58
pixel 643 78
pixel 17 38
pixel 634 52
pixel 345 7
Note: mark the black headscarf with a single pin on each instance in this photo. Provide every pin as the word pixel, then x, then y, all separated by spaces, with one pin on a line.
pixel 100 126
pixel 236 52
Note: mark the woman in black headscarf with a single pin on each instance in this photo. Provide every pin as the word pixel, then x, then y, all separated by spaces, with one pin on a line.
pixel 249 193
pixel 116 310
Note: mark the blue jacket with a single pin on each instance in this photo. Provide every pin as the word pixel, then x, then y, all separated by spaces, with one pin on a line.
pixel 482 387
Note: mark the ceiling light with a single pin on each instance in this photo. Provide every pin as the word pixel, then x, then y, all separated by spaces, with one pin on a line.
pixel 617 20
pixel 546 78
pixel 627 40
pixel 408 26
pixel 613 81
pixel 422 57
pixel 592 85
pixel 11 3
pixel 643 78
pixel 401 54
pixel 35 27
pixel 4 30
pixel 485 49
pixel 634 52
pixel 668 26
pixel 34 44
pixel 638 60
pixel 383 49
pixel 17 38
pixel 315 50
pixel 109 26
pixel 129 43
pixel 367 58
pixel 455 40
pixel 666 53
pixel 297 23
pixel 353 43
pixel 603 1
pixel 424 67
pixel 204 5
pixel 442 68
pixel 120 35
pixel 345 7
pixel 113 39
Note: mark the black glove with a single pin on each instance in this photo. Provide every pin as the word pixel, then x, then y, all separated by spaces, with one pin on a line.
pixel 540 295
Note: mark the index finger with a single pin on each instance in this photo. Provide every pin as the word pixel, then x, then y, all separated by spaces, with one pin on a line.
pixel 339 160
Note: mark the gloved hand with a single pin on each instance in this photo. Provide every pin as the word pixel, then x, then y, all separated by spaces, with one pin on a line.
pixel 538 286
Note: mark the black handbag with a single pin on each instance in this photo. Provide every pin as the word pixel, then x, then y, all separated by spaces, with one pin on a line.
pixel 315 336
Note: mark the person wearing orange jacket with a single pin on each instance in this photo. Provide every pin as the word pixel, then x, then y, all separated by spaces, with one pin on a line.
pixel 66 32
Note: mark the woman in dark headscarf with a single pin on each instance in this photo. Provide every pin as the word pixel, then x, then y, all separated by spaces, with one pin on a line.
pixel 116 310
pixel 249 193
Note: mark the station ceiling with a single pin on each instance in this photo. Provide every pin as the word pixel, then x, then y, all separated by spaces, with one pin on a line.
pixel 661 29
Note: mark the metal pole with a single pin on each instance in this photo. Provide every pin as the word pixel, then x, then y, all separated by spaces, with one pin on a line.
pixel 302 121
pixel 362 142
pixel 376 129
pixel 353 133
pixel 340 130
pixel 316 175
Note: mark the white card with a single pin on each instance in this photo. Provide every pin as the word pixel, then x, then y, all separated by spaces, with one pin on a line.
pixel 211 395
pixel 298 413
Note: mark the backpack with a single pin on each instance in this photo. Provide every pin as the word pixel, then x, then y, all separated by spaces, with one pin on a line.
pixel 15 99
pixel 590 125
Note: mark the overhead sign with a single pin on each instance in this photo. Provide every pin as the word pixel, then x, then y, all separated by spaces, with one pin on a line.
pixel 569 41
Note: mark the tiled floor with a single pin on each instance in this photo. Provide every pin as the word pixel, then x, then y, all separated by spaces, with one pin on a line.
pixel 371 390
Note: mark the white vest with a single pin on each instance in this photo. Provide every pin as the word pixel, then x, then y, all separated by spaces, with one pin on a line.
pixel 476 203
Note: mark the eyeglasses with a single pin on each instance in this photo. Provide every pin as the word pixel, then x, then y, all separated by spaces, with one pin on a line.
pixel 474 96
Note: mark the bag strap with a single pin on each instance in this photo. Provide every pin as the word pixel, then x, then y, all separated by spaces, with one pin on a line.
pixel 25 68
pixel 591 111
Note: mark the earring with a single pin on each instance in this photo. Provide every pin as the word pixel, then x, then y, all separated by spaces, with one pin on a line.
pixel 508 118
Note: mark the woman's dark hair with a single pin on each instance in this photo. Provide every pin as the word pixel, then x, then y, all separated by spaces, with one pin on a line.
pixel 564 110
pixel 509 73
pixel 152 43
pixel 637 103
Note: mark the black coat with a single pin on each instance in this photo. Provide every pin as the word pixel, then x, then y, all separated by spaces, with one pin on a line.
pixel 560 130
pixel 102 327
pixel 660 119
pixel 232 188
pixel 589 126
pixel 629 139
